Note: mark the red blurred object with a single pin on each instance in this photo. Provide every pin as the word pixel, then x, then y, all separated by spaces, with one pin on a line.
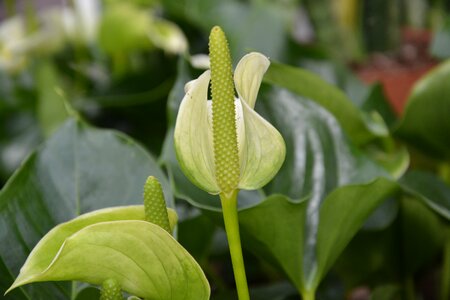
pixel 398 73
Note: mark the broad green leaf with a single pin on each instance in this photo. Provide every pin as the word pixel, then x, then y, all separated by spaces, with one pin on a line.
pixel 319 156
pixel 46 250
pixel 306 258
pixel 368 98
pixel 430 189
pixel 360 128
pixel 425 123
pixel 142 257
pixel 341 216
pixel 395 159
pixel 76 171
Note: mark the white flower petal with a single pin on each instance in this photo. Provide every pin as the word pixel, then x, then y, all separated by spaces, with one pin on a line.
pixel 248 75
pixel 193 136
pixel 263 151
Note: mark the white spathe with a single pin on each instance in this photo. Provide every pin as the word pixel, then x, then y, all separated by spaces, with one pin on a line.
pixel 261 147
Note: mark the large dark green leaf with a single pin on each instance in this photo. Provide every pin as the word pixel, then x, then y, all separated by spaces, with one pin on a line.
pixel 430 189
pixel 304 248
pixel 425 123
pixel 359 127
pixel 79 169
pixel 319 156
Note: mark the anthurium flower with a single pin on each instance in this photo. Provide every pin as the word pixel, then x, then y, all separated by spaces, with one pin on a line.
pixel 261 148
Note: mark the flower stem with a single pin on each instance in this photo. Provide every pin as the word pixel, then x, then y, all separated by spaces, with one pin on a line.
pixel 308 295
pixel 230 216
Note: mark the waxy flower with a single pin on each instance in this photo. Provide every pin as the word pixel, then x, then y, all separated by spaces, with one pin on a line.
pixel 260 147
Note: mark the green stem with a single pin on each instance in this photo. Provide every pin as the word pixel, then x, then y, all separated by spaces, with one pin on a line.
pixel 73 294
pixel 308 295
pixel 230 216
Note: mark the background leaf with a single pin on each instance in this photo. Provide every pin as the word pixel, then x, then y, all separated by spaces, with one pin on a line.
pixel 430 189
pixel 74 172
pixel 358 127
pixel 425 122
pixel 244 23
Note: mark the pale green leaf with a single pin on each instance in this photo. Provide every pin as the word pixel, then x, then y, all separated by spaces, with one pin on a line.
pixel 45 251
pixel 142 257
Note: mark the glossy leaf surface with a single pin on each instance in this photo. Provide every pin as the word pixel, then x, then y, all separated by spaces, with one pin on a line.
pixel 360 128
pixel 430 189
pixel 307 257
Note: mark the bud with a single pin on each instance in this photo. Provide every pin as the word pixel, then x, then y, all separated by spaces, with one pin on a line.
pixel 224 145
pixel 155 205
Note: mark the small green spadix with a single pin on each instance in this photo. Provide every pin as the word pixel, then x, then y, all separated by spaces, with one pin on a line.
pixel 111 290
pixel 155 205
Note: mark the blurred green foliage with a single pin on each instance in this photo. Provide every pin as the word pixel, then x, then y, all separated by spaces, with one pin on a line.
pixel 123 65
